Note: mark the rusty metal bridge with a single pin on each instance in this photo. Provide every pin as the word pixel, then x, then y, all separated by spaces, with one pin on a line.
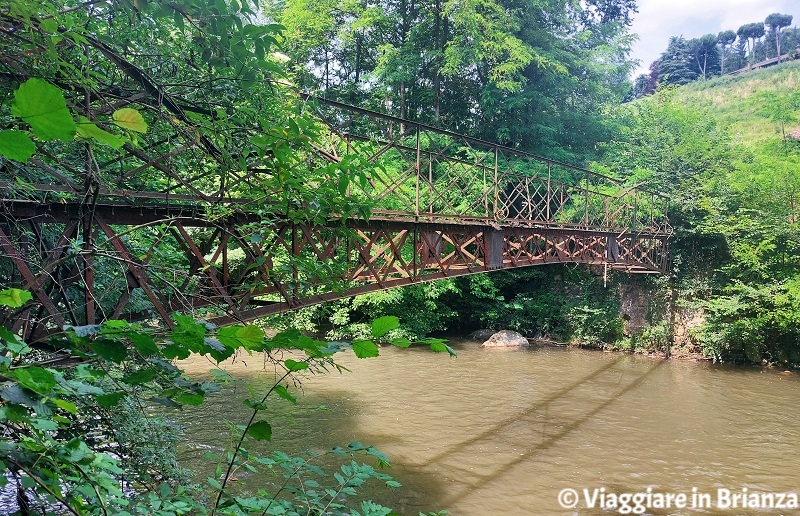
pixel 91 237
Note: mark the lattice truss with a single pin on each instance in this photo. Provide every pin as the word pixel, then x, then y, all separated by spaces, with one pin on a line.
pixel 97 234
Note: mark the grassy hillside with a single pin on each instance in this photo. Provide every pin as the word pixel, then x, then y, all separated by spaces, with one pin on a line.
pixel 741 102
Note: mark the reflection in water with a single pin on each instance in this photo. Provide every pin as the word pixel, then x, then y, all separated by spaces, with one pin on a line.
pixel 503 432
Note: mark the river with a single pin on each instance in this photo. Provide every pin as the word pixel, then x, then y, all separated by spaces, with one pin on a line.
pixel 504 432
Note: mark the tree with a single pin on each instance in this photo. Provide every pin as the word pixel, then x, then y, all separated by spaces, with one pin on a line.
pixel 675 66
pixel 639 86
pixel 653 82
pixel 779 108
pixel 484 67
pixel 776 22
pixel 645 84
pixel 751 32
pixel 704 49
pixel 725 39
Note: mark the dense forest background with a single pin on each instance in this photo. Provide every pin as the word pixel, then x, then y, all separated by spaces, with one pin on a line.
pixel 531 75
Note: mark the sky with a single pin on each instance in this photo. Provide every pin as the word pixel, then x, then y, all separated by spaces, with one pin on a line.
pixel 657 20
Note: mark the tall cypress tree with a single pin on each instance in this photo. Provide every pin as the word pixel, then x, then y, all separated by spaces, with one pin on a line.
pixel 676 64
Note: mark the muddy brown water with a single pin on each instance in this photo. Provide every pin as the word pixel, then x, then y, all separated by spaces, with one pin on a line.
pixel 504 432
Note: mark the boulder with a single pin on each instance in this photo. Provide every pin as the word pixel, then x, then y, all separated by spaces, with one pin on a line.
pixel 506 339
pixel 481 334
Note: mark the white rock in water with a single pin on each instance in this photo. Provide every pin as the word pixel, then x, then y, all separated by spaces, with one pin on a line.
pixel 506 339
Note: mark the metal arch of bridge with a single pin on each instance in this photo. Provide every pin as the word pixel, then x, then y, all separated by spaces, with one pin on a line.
pixel 89 250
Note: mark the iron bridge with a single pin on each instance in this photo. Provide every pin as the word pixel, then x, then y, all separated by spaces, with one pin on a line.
pixel 91 243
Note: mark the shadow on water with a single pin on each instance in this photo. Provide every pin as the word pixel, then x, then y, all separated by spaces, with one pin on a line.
pixel 535 407
pixel 549 438
pixel 321 421
pixel 317 423
pixel 443 480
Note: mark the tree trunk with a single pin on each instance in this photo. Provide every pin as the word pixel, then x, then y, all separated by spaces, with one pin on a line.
pixel 722 56
pixel 437 78
pixel 701 67
pixel 778 42
pixel 357 77
pixel 402 99
pixel 327 71
pixel 705 65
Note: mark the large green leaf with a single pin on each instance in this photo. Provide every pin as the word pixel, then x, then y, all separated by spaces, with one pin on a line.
pixel 365 348
pixel 283 392
pixel 440 346
pixel 236 336
pixel 294 365
pixel 143 343
pixel 66 405
pixel 14 297
pixel 260 431
pixel 43 107
pixel 16 145
pixel 139 377
pixel 89 130
pixel 401 342
pixel 13 343
pixel 111 399
pixel 14 393
pixel 111 350
pixel 188 334
pixel 383 325
pixel 191 399
pixel 129 118
pixel 36 379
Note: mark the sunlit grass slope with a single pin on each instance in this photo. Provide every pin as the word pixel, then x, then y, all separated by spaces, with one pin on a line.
pixel 738 102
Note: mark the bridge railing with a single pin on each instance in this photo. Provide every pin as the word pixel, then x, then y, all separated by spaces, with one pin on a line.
pixel 429 174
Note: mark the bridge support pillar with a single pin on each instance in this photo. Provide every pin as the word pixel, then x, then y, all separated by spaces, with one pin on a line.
pixel 494 248
pixel 432 245
pixel 612 249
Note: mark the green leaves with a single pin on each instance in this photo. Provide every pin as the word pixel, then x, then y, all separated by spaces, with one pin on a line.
pixel 294 365
pixel 440 346
pixel 260 431
pixel 143 343
pixel 401 342
pixel 236 336
pixel 16 145
pixel 129 118
pixel 187 336
pixel 110 400
pixel 43 107
pixel 193 399
pixel 14 297
pixel 139 377
pixel 40 381
pixel 88 129
pixel 112 350
pixel 365 349
pixel 383 325
pixel 284 393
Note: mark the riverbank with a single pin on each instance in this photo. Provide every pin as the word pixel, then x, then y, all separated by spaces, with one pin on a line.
pixel 681 353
